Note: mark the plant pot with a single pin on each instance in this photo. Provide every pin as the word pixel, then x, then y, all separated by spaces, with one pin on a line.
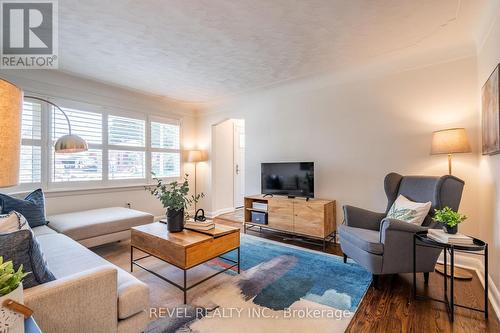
pixel 451 230
pixel 175 220
pixel 12 322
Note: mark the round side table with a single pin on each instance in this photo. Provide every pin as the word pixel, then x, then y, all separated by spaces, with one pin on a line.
pixel 478 248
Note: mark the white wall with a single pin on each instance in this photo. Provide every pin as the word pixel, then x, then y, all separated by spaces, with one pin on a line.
pixel 487 59
pixel 78 90
pixel 357 131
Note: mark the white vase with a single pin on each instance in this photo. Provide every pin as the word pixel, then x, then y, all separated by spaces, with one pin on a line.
pixel 10 321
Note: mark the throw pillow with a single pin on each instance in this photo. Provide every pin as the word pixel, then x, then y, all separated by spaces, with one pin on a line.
pixel 32 207
pixel 409 211
pixel 12 222
pixel 20 246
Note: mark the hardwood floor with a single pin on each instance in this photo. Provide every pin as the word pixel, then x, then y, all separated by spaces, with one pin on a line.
pixel 391 308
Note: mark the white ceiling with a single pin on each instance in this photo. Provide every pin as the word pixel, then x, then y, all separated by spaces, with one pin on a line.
pixel 202 50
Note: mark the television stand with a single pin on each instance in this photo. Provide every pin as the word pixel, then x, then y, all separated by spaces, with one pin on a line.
pixel 311 218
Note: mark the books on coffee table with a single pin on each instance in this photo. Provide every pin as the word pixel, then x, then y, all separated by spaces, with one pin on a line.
pixel 199 225
pixel 443 237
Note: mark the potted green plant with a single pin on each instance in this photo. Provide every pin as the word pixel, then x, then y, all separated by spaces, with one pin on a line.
pixel 174 196
pixel 449 219
pixel 11 287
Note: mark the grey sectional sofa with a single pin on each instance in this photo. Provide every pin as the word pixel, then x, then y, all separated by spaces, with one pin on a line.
pixel 89 294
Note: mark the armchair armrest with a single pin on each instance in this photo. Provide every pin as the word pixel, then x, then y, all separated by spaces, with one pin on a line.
pixel 362 218
pixel 387 225
pixel 83 302
pixel 397 237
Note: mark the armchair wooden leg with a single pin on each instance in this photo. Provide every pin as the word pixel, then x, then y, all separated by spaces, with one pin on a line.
pixel 426 277
pixel 345 258
pixel 376 281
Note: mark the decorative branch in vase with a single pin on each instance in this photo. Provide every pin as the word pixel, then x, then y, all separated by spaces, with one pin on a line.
pixel 175 197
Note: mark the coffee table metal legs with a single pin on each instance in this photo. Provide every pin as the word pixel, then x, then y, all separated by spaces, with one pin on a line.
pixel 184 290
pixel 238 260
pixel 184 287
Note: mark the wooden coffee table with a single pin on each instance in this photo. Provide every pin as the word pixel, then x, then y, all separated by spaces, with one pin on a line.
pixel 185 249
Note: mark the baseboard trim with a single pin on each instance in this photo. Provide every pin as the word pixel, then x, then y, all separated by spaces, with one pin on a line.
pixel 191 212
pixel 220 211
pixel 478 266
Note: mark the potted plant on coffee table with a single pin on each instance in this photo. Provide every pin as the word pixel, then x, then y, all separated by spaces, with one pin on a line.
pixel 11 288
pixel 449 219
pixel 175 197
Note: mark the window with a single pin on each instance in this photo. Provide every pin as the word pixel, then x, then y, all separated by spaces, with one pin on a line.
pixel 124 164
pixel 164 135
pixel 75 167
pixel 86 166
pixel 122 149
pixel 165 149
pixel 126 131
pixel 31 143
pixel 123 135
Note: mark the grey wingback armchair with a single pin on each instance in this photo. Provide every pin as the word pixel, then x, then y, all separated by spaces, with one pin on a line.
pixel 385 246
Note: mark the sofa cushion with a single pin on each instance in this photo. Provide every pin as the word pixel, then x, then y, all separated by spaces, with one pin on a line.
pixel 365 239
pixel 32 207
pixel 67 257
pixel 43 230
pixel 97 222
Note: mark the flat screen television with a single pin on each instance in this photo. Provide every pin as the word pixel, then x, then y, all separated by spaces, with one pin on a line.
pixel 293 179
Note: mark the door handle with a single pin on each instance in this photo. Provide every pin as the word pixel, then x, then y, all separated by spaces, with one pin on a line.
pixel 237 169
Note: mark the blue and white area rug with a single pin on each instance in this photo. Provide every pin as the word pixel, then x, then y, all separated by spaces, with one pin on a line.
pixel 281 288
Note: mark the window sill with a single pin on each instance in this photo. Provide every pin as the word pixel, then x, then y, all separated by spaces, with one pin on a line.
pixel 64 192
pixel 55 193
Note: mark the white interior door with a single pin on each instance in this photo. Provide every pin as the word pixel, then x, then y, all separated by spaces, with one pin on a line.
pixel 239 162
pixel 222 163
pixel 228 165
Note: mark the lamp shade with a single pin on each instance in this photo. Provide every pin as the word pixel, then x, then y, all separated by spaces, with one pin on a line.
pixel 196 156
pixel 70 143
pixel 11 106
pixel 450 141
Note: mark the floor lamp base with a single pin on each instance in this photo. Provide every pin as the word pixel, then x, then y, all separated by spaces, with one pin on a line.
pixel 460 273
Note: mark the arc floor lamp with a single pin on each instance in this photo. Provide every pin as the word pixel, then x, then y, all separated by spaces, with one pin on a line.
pixel 11 108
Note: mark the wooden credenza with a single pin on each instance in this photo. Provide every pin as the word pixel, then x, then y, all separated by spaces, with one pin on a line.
pixel 314 218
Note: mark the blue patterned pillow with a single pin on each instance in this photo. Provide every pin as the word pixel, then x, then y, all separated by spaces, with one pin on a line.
pixel 32 207
pixel 22 248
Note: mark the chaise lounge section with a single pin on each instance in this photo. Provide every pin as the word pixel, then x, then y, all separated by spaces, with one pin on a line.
pixel 99 226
